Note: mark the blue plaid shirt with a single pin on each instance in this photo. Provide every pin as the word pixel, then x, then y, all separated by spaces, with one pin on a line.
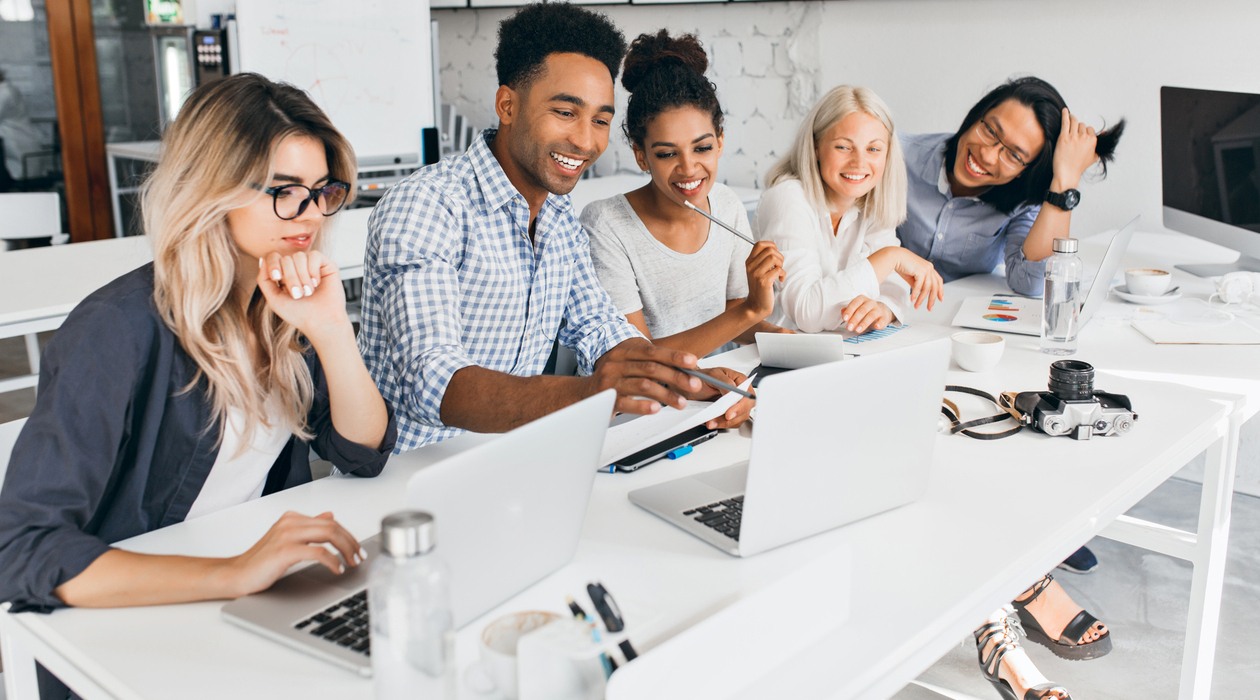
pixel 451 279
pixel 963 235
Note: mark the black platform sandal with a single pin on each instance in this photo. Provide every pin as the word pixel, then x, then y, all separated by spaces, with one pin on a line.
pixel 1005 637
pixel 1068 645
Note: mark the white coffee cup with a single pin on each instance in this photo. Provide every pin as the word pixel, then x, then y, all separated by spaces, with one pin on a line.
pixel 561 661
pixel 977 351
pixel 499 642
pixel 1147 281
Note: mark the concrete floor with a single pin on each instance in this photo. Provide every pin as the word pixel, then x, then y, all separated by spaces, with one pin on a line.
pixel 1140 595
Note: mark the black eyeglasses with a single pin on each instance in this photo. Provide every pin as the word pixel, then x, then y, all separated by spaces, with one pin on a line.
pixel 288 202
pixel 989 136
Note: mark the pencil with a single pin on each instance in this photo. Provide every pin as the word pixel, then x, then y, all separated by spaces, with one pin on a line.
pixel 719 222
pixel 714 381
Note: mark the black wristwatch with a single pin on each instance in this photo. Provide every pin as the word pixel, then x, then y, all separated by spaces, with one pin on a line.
pixel 1066 200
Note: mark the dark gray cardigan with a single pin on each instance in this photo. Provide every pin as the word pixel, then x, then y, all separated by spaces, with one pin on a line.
pixel 115 448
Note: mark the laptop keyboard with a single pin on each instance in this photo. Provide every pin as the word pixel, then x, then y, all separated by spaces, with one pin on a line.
pixel 344 623
pixel 723 516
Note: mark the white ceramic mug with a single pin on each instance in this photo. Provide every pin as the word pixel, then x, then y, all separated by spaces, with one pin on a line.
pixel 1147 281
pixel 561 661
pixel 499 642
pixel 977 351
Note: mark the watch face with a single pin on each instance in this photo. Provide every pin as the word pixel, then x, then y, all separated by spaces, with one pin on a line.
pixel 1071 198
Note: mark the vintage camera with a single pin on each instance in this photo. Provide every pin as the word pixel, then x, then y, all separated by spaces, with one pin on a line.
pixel 1072 407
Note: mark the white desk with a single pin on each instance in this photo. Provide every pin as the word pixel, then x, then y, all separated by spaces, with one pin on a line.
pixel 914 580
pixel 39 287
pixel 907 584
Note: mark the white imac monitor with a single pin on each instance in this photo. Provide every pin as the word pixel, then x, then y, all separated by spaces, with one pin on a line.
pixel 1211 168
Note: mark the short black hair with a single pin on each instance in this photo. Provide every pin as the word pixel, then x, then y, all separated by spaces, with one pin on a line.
pixel 536 31
pixel 662 73
pixel 1047 106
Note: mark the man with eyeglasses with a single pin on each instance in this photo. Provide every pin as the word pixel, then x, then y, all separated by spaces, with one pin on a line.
pixel 476 266
pixel 999 190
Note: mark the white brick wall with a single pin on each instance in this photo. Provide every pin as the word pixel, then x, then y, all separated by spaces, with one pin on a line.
pixel 763 58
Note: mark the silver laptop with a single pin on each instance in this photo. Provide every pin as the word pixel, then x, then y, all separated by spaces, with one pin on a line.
pixel 833 444
pixel 1007 313
pixel 508 512
pixel 797 350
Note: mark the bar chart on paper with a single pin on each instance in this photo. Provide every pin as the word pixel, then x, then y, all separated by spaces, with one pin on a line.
pixel 877 334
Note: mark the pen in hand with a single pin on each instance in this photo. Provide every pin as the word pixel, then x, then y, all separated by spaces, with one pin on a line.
pixel 719 222
pixel 715 382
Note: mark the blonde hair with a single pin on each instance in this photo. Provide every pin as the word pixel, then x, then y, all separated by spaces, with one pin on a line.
pixel 214 157
pixel 885 205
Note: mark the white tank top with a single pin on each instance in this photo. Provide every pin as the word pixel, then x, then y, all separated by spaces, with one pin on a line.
pixel 234 478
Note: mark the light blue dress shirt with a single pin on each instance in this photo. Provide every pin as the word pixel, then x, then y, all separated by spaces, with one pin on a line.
pixel 963 235
pixel 451 279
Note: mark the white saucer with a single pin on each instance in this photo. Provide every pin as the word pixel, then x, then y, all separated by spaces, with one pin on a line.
pixel 1122 291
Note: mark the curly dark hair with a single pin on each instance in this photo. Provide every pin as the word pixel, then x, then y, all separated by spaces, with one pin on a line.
pixel 1047 105
pixel 664 72
pixel 539 30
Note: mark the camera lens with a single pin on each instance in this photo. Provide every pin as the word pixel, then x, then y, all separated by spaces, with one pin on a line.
pixel 1072 380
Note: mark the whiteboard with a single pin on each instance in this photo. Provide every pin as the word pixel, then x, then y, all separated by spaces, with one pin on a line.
pixel 367 63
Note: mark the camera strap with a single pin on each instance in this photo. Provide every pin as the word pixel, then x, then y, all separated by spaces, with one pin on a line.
pixel 1005 403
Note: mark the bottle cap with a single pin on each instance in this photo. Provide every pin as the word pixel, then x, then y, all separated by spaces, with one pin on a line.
pixel 1065 245
pixel 407 533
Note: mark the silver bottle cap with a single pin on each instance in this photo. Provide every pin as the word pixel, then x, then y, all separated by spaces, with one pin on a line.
pixel 1065 245
pixel 408 533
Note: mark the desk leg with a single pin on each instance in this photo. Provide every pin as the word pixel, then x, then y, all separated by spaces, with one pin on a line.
pixel 19 669
pixel 32 351
pixel 115 195
pixel 1209 565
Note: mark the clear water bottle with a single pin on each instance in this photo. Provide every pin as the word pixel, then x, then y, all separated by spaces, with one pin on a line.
pixel 1061 303
pixel 409 602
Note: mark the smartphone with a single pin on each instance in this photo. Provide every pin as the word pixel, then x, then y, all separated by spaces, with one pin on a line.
pixel 646 456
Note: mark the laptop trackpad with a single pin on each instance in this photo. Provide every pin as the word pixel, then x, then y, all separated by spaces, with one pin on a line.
pixel 729 480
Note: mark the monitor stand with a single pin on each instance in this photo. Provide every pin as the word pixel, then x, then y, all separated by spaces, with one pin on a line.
pixel 1244 263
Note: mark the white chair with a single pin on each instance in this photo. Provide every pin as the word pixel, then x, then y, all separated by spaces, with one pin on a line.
pixel 27 215
pixel 8 435
pixel 30 215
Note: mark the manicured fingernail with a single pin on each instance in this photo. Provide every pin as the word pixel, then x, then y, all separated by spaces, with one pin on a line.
pixel 341 568
pixel 362 554
pixel 275 275
pixel 260 263
pixel 297 293
pixel 307 288
pixel 314 281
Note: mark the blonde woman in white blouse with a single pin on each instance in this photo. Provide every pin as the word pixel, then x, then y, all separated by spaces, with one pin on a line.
pixel 832 206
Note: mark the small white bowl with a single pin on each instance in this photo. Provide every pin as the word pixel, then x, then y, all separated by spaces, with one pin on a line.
pixel 977 351
pixel 1147 281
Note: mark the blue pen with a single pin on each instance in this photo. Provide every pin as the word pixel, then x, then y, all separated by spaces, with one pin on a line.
pixel 678 452
pixel 595 637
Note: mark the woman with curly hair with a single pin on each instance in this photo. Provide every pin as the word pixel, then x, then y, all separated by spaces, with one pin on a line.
pixel 684 282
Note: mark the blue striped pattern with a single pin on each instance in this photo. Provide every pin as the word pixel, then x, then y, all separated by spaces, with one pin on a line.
pixel 451 279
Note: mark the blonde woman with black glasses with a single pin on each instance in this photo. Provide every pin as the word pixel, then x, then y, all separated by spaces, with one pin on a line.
pixel 204 379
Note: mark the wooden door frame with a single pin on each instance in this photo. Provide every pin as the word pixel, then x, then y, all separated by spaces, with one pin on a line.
pixel 76 88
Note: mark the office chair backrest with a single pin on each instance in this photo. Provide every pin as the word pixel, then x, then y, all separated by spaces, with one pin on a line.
pixel 30 215
pixel 8 435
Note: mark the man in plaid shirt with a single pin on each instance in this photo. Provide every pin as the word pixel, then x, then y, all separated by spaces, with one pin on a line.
pixel 474 263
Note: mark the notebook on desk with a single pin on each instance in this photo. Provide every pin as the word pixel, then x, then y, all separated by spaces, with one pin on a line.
pixel 833 444
pixel 507 513
pixel 1011 313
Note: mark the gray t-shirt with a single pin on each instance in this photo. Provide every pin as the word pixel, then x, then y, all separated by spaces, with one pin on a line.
pixel 676 291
